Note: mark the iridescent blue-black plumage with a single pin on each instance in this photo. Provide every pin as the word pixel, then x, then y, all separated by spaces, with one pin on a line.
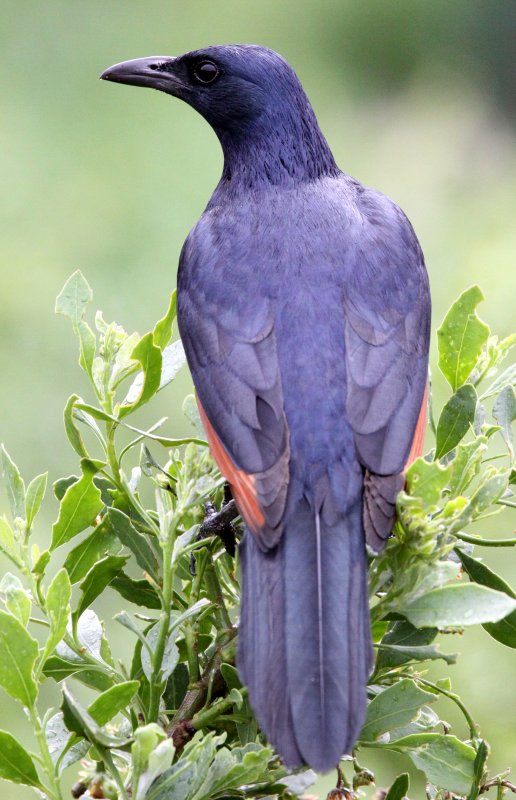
pixel 304 309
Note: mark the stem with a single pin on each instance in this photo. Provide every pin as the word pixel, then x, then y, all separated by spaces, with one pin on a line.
pixel 191 648
pixel 195 698
pixel 164 627
pixel 485 542
pixel 214 592
pixel 108 759
pixel 205 717
pixel 54 790
pixel 111 452
pixel 506 503
pixel 473 727
pixel 117 479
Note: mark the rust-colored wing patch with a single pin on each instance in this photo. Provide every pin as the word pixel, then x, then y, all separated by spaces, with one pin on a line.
pixel 242 484
pixel 419 434
pixel 381 491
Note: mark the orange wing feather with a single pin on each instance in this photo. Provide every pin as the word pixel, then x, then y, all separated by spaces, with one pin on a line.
pixel 242 483
pixel 419 434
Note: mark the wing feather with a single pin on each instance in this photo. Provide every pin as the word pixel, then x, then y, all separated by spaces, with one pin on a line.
pixel 234 364
pixel 387 328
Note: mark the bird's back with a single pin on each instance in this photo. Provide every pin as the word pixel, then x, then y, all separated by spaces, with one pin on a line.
pixel 293 256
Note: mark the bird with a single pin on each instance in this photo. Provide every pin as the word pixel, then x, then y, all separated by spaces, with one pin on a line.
pixel 304 310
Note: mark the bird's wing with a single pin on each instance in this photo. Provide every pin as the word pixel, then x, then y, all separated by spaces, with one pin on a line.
pixel 387 324
pixel 234 365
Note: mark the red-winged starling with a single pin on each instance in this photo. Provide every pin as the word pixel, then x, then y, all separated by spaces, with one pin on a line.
pixel 304 309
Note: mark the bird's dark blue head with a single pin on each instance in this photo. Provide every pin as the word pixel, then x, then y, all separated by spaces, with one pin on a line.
pixel 253 100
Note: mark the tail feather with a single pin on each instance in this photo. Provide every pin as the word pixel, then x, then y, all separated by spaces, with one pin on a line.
pixel 305 650
pixel 261 646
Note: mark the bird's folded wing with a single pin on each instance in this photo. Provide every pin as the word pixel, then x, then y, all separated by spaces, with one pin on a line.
pixel 235 371
pixel 387 324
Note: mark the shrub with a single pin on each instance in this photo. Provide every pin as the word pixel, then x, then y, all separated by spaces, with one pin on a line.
pixel 173 722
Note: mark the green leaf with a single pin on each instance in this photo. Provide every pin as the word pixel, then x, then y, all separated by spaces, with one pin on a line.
pixel 406 654
pixel 16 765
pixel 108 704
pixel 141 593
pixel 504 412
pixel 177 686
pixel 64 748
pixel 17 600
pixel 175 783
pixel 466 464
pixel 60 486
pixel 162 332
pixel 72 303
pixel 58 609
pixel 74 298
pixel 234 768
pixel 455 420
pixel 506 378
pixel 394 707
pixel 166 441
pixel 447 762
pixel 298 783
pixel 149 356
pixel 152 754
pixel 427 480
pixel 14 485
pixel 479 767
pixel 7 543
pixel 59 669
pixel 134 541
pixel 426 720
pixel 80 505
pixel 178 619
pixel 402 634
pixel 96 580
pixel 191 412
pixel 41 563
pixel 503 631
pixel 149 764
pixel 399 788
pixel 34 497
pixel 457 606
pixel 461 338
pixel 79 721
pixel 128 622
pixel 18 652
pixel 174 359
pixel 89 634
pixel 494 484
pixel 230 675
pixel 170 656
pixel 72 431
pixel 102 542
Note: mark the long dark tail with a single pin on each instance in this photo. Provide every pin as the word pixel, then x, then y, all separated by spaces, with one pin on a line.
pixel 304 644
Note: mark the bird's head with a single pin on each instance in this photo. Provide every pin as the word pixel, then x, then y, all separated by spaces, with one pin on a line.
pixel 229 85
pixel 248 94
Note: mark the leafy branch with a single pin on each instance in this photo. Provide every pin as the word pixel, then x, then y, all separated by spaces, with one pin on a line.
pixel 148 518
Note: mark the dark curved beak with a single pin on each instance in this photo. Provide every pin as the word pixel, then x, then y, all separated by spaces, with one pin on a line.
pixel 157 72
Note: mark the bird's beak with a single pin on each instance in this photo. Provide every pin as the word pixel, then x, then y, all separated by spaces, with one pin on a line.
pixel 157 72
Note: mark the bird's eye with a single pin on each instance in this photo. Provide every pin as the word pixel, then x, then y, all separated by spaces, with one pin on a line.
pixel 206 72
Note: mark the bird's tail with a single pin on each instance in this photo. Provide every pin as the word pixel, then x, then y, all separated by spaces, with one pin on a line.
pixel 304 642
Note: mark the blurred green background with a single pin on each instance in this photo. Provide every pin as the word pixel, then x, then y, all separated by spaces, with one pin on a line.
pixel 417 98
